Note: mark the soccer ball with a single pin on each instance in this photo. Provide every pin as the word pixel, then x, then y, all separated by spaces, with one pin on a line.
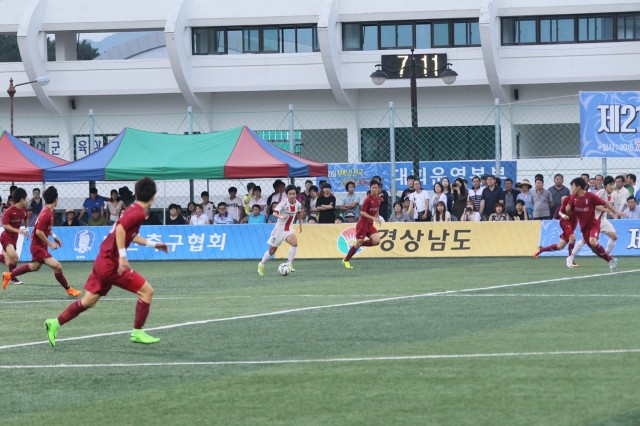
pixel 284 269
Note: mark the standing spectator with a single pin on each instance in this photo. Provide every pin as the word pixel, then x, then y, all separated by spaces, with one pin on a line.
pixel 97 219
pixel 223 217
pixel 621 191
pixel 631 181
pixel 398 214
pixel 384 204
pixel 199 218
pixel 470 214
pixel 235 206
pixel 491 196
pixel 114 206
pixel 446 190
pixel 460 196
pixel 307 186
pixel 351 202
pixel 542 202
pixel 246 199
pixel 438 195
pixel 499 215
pixel 259 199
pixel 521 211
pixel 632 211
pixel 312 201
pixel 558 190
pixel 207 206
pixel 278 193
pixel 35 205
pixel 585 178
pixel 409 190
pixel 326 205
pixel 94 200
pixel 510 197
pixel 175 218
pixel 70 218
pixel 441 214
pixel 475 192
pixel 302 196
pixel 592 186
pixel 419 203
pixel 599 182
pixel 256 215
pixel 526 196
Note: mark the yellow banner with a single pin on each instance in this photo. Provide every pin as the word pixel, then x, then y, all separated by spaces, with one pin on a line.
pixel 422 239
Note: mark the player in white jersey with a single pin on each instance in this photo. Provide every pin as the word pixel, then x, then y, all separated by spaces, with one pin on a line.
pixel 609 195
pixel 286 212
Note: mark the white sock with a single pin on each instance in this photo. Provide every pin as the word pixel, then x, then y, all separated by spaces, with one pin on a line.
pixel 576 248
pixel 610 245
pixel 265 257
pixel 292 254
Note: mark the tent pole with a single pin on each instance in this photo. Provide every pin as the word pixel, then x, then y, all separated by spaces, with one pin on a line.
pixel 291 139
pixel 164 204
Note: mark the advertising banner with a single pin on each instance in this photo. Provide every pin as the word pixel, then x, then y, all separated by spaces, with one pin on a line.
pixel 627 230
pixel 430 172
pixel 609 124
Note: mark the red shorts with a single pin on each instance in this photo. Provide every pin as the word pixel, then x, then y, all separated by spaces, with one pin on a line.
pixel 365 229
pixel 591 231
pixel 105 275
pixel 7 238
pixel 39 253
pixel 567 230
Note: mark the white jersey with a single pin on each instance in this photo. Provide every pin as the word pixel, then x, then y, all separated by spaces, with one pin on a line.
pixel 287 212
pixel 610 199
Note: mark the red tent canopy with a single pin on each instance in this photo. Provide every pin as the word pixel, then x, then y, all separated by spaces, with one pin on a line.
pixel 20 162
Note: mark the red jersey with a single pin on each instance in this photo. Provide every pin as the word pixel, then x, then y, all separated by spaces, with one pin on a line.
pixel 130 220
pixel 573 218
pixel 15 217
pixel 44 224
pixel 584 208
pixel 370 205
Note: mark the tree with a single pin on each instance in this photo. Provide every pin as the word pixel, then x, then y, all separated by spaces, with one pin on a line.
pixel 9 48
pixel 86 51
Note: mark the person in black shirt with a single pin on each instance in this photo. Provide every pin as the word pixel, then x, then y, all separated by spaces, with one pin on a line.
pixel 326 205
pixel 175 218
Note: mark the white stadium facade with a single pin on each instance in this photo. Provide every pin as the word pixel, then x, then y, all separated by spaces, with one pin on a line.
pixel 254 56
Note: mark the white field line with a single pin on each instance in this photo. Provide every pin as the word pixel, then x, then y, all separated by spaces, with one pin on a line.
pixel 319 307
pixel 330 360
pixel 134 298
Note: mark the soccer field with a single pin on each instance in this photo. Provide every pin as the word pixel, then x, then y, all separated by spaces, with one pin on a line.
pixel 417 341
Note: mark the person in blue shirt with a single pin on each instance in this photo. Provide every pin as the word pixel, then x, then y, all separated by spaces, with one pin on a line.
pixel 256 215
pixel 94 201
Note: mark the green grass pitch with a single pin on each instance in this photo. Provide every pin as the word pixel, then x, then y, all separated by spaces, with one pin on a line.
pixel 390 342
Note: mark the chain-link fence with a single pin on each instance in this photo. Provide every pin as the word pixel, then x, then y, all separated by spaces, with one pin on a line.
pixel 537 137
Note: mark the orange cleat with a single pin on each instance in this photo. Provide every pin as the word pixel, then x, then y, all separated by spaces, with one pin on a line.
pixel 73 292
pixel 6 277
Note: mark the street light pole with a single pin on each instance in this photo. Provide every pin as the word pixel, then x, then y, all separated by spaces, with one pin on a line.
pixel 41 81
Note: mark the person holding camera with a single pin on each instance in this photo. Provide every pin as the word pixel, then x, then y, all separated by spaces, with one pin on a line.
pixel 460 196
pixel 470 214
pixel 419 208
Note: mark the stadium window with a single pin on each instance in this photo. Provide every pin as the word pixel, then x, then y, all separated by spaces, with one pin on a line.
pixel 369 37
pixel 629 27
pixel 519 31
pixel 304 39
pixel 351 39
pixel 200 39
pixel 270 40
pixel 557 30
pixel 234 42
pixel 288 37
pixel 595 28
pixel 440 34
pixel 251 43
pixel 423 36
pixel 466 33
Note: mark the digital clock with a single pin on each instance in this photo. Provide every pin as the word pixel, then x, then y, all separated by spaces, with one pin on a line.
pixel 428 65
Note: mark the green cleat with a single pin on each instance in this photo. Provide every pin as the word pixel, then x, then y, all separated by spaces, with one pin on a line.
pixel 347 264
pixel 291 268
pixel 260 269
pixel 52 326
pixel 139 336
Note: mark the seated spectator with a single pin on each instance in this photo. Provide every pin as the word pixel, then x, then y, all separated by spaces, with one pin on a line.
pixel 175 218
pixel 97 219
pixel 406 205
pixel 258 199
pixel 223 217
pixel 256 215
pixel 440 213
pixel 350 217
pixel 521 211
pixel 191 210
pixel 302 216
pixel 199 218
pixel 632 211
pixel 470 214
pixel 70 218
pixel 311 220
pixel 399 215
pixel 114 205
pixel 271 217
pixel 499 215
pixel 151 219
pixel 338 219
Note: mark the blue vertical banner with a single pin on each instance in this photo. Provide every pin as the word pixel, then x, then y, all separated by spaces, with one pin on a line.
pixel 430 172
pixel 609 124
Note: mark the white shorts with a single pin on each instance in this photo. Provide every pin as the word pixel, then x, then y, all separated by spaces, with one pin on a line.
pixel 278 236
pixel 606 227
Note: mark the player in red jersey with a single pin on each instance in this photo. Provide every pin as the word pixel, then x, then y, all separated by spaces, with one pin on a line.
pixel 584 205
pixel 39 244
pixel 286 212
pixel 12 219
pixel 364 227
pixel 568 225
pixel 111 267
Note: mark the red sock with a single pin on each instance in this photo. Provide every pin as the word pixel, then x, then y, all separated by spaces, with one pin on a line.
pixel 12 267
pixel 1 258
pixel 72 311
pixel 62 280
pixel 602 252
pixel 367 243
pixel 552 247
pixel 571 246
pixel 142 311
pixel 352 251
pixel 21 270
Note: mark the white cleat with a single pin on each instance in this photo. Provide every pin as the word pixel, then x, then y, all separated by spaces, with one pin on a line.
pixel 613 264
pixel 570 262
